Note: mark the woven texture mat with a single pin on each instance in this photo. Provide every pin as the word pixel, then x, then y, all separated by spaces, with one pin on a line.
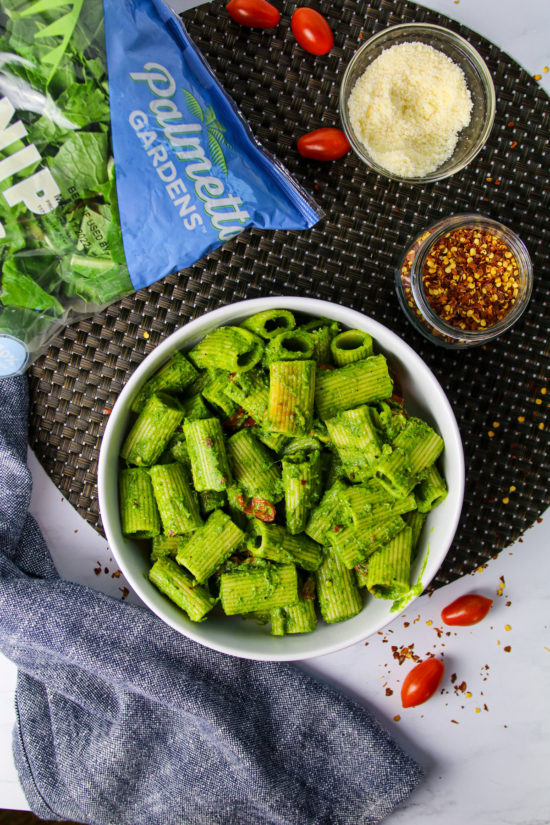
pixel 497 392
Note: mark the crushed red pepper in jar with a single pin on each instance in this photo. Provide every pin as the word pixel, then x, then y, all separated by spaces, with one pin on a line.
pixel 464 281
pixel 471 278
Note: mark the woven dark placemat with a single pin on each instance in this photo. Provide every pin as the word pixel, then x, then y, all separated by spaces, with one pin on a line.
pixel 497 392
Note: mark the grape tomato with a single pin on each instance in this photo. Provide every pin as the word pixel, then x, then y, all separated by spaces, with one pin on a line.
pixel 466 610
pixel 256 14
pixel 422 682
pixel 323 144
pixel 312 31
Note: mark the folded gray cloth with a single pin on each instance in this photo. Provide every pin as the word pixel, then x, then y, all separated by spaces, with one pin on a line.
pixel 121 720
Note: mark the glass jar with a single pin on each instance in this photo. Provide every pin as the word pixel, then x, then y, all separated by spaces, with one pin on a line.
pixel 464 281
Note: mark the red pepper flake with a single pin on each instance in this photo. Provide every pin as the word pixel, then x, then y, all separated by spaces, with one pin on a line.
pixel 303 482
pixel 125 592
pixel 400 654
pixel 510 124
pixel 116 574
pixel 507 649
pixel 453 678
pixel 106 570
pixel 406 624
pixel 389 692
pixel 513 144
pixel 454 721
pixel 107 410
pixel 249 422
pixel 337 528
pixel 397 718
pixel 471 278
pixel 98 568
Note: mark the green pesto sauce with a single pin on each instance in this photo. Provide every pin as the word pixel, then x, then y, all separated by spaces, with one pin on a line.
pixel 416 589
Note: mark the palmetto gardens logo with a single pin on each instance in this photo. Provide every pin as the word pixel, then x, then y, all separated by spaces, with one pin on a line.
pixel 214 130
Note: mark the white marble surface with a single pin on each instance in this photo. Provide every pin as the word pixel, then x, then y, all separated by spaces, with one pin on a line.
pixel 488 765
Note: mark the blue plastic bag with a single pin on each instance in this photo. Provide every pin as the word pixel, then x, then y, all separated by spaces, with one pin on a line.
pixel 122 160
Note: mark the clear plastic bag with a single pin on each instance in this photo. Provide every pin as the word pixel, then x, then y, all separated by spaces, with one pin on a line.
pixel 122 159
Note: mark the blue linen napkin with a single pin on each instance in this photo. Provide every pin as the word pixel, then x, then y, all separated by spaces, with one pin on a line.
pixel 123 721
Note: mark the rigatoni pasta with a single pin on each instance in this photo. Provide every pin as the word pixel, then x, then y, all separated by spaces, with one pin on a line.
pixel 275 475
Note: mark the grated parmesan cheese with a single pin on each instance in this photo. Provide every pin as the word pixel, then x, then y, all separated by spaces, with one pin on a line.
pixel 408 108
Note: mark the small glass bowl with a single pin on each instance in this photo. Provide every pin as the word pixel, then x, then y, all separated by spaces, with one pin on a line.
pixel 412 296
pixel 478 79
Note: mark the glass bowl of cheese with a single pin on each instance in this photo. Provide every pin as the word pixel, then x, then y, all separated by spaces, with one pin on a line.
pixel 417 103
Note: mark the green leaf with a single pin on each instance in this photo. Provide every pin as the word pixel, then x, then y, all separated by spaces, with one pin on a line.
pixel 84 104
pixel 216 153
pixel 193 105
pixel 19 290
pixel 39 264
pixel 81 163
pixel 210 115
pixel 62 27
pixel 220 137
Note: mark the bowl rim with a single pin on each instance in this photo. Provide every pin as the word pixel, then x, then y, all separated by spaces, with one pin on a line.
pixel 487 82
pixel 218 317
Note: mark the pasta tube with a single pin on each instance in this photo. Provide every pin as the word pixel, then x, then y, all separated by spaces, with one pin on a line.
pixel 258 586
pixel 176 501
pixel 351 345
pixel 270 322
pixel 175 583
pixel 389 568
pixel 350 386
pixel 254 467
pixel 138 511
pixel 339 596
pixel 206 447
pixel 209 546
pixel 234 349
pixel 174 376
pixel 291 396
pixel 152 431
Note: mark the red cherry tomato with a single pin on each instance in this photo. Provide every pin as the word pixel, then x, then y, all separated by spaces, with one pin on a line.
pixel 466 610
pixel 323 144
pixel 422 682
pixel 256 14
pixel 312 31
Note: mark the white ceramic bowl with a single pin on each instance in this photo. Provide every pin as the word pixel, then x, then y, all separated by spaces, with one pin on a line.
pixel 423 396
